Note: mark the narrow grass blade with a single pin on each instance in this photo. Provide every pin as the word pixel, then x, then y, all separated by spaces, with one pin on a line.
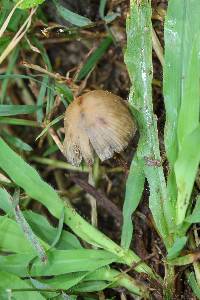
pixel 20 122
pixel 11 64
pixel 56 120
pixel 94 58
pixel 16 142
pixel 186 168
pixel 138 58
pixel 134 189
pixel 32 77
pixel 65 92
pixel 195 216
pixel 193 284
pixel 40 99
pixel 172 74
pixel 27 178
pixel 72 17
pixel 102 6
pixel 59 230
pixel 11 110
pixel 182 100
pixel 175 250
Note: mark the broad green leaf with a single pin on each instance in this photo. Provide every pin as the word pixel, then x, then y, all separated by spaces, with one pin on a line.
pixel 134 190
pixel 104 275
pixel 11 110
pixel 9 281
pixel 58 262
pixel 29 3
pixel 47 233
pixel 65 281
pixel 72 17
pixel 27 178
pixel 12 238
pixel 138 58
pixel 185 170
pixel 94 58
pixel 5 202
pixel 28 233
pixel 178 245
pixel 116 278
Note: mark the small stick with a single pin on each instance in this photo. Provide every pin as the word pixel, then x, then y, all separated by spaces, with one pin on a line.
pixel 56 139
pixel 157 47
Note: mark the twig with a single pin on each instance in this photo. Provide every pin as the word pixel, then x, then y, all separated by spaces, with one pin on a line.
pixel 102 200
pixel 157 47
pixel 56 139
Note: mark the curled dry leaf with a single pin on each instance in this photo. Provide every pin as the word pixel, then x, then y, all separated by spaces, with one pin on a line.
pixel 97 120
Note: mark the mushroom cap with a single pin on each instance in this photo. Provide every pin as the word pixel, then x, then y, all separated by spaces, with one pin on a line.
pixel 96 120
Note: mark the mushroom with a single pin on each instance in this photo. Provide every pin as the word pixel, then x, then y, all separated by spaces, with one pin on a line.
pixel 99 121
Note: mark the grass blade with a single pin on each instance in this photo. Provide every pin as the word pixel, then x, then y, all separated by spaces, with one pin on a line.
pixel 40 99
pixel 94 58
pixel 138 58
pixel 16 142
pixel 56 120
pixel 134 189
pixel 11 64
pixel 181 91
pixel 58 262
pixel 29 3
pixel 186 168
pixel 9 281
pixel 11 110
pixel 48 233
pixel 21 122
pixel 72 17
pixel 27 178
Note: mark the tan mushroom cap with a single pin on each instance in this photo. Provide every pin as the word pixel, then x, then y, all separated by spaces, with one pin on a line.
pixel 96 120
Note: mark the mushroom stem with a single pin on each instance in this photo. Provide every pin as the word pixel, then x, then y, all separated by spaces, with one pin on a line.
pixel 92 200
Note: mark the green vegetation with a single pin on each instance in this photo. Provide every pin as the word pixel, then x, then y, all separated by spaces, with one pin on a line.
pixel 41 261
